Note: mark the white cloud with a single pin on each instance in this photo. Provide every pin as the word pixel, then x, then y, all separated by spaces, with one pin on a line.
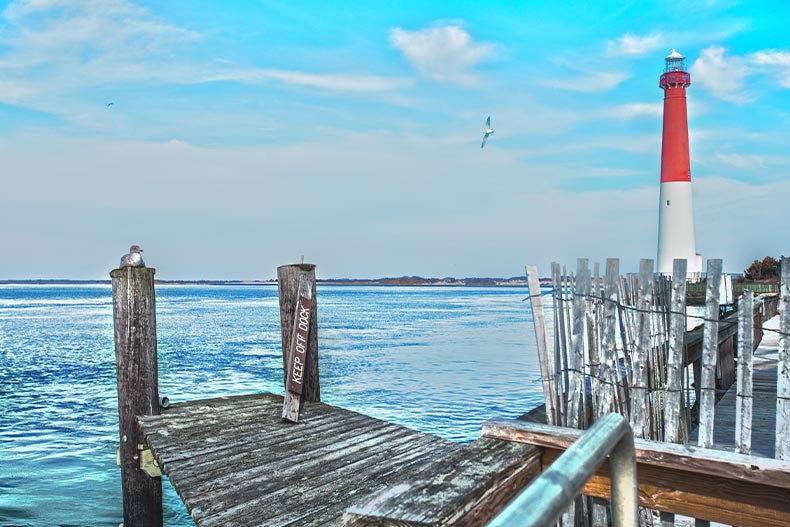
pixel 53 47
pixel 595 82
pixel 750 162
pixel 722 76
pixel 779 59
pixel 443 53
pixel 332 82
pixel 54 51
pixel 86 31
pixel 751 210
pixel 635 109
pixel 353 224
pixel 19 8
pixel 630 44
pixel 776 58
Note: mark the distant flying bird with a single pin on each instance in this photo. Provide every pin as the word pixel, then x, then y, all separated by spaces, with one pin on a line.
pixel 488 132
pixel 110 104
pixel 134 258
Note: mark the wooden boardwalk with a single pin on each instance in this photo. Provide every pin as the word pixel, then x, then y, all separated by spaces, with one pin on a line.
pixel 234 461
pixel 764 400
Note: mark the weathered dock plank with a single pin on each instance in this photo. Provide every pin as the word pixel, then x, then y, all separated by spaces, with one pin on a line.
pixel 234 461
pixel 466 489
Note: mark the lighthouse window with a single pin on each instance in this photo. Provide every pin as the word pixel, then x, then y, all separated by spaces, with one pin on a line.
pixel 667 203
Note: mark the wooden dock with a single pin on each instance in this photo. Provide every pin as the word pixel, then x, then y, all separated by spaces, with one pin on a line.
pixel 763 400
pixel 235 461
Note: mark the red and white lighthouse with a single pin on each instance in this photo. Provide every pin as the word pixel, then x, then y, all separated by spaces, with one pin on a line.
pixel 675 213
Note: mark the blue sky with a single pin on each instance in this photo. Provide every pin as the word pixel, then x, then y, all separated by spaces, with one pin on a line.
pixel 228 138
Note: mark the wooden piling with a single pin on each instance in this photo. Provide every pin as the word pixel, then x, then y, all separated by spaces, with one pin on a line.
pixel 134 319
pixel 288 285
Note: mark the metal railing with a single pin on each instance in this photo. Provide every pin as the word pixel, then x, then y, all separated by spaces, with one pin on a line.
pixel 546 498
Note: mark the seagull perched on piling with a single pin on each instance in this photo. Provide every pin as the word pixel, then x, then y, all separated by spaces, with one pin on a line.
pixel 488 132
pixel 134 258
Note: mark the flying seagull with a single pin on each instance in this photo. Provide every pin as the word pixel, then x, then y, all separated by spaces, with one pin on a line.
pixel 488 132
pixel 134 258
pixel 110 104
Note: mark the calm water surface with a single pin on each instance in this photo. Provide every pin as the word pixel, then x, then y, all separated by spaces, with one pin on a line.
pixel 440 360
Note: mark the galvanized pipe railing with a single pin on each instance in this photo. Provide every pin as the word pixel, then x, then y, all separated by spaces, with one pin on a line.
pixel 542 503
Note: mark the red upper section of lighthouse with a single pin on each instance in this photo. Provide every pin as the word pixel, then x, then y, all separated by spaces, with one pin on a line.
pixel 675 164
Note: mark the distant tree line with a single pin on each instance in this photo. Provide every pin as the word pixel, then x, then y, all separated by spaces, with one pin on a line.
pixel 766 270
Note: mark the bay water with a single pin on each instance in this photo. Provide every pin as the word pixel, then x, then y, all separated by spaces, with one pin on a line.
pixel 437 359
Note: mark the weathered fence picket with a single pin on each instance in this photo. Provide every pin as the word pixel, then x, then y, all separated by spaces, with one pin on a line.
pixel 782 450
pixel 743 402
pixel 576 360
pixel 639 355
pixel 710 354
pixel 620 345
pixel 545 356
pixel 673 430
pixel 560 342
pixel 609 362
pixel 677 334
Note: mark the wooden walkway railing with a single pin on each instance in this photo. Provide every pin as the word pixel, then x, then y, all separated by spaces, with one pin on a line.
pixel 720 486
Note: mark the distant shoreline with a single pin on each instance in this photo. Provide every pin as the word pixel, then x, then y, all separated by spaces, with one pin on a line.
pixel 415 281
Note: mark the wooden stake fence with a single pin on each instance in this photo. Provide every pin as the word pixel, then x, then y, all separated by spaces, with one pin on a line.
pixel 626 337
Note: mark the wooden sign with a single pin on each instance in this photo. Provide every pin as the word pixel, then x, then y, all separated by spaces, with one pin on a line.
pixel 297 355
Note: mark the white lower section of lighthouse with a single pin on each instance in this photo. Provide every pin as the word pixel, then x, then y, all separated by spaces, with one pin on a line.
pixel 676 228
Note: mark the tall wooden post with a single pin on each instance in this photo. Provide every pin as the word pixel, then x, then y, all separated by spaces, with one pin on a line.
pixel 134 318
pixel 288 285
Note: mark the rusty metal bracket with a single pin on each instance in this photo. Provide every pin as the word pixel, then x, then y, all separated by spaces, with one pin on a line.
pixel 147 462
